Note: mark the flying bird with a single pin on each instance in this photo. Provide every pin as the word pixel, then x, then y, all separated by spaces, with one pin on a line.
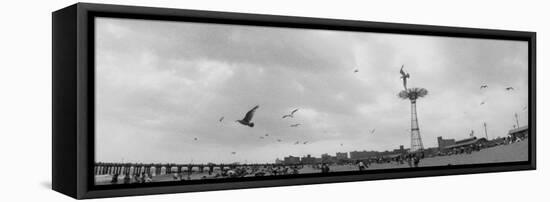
pixel 266 134
pixel 482 103
pixel 483 86
pixel 524 108
pixel 297 142
pixel 221 119
pixel 295 125
pixel 291 115
pixel 305 142
pixel 248 117
pixel 233 153
pixel 372 131
pixel 341 144
pixel 404 76
pixel 278 140
pixel 355 71
pixel 510 88
pixel 196 139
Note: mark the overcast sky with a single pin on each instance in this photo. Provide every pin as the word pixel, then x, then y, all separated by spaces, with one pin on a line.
pixel 160 85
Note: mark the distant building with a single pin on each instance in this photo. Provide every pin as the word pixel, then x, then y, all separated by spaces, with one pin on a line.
pixel 291 160
pixel 521 132
pixel 279 161
pixel 461 145
pixel 341 155
pixel 442 143
pixel 326 158
pixel 401 150
pixel 356 155
pixel 308 160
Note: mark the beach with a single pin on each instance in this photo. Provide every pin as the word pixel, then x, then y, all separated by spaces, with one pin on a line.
pixel 504 153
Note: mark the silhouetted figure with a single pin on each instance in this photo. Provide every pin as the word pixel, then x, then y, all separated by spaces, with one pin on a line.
pixel 127 178
pixel 115 178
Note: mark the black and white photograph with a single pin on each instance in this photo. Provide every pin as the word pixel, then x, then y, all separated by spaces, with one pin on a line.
pixel 195 101
pixel 274 101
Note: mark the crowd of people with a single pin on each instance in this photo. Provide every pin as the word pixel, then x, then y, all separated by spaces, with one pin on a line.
pixel 412 159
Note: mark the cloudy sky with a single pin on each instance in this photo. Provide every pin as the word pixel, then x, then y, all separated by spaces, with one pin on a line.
pixel 160 85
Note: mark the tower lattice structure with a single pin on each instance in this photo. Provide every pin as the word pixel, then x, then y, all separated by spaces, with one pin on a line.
pixel 416 139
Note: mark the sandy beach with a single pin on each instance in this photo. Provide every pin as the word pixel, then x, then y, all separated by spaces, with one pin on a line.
pixel 505 153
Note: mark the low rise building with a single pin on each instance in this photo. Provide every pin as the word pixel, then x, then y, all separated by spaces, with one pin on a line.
pixel 521 132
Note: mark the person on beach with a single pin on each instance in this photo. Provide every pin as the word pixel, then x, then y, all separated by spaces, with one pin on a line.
pixel 136 178
pixel 148 178
pixel 115 179
pixel 143 176
pixel 175 177
pixel 127 178
pixel 416 159
pixel 409 160
pixel 361 166
pixel 324 168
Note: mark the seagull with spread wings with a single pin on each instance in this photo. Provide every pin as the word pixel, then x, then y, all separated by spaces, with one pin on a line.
pixel 509 88
pixel 221 119
pixel 291 115
pixel 483 86
pixel 248 117
pixel 295 125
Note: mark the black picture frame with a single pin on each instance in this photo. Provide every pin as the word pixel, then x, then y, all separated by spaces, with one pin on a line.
pixel 73 97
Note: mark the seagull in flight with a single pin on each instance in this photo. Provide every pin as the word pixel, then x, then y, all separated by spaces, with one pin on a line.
pixel 510 88
pixel 404 76
pixel 341 144
pixel 483 86
pixel 525 108
pixel 372 131
pixel 266 134
pixel 248 117
pixel 233 153
pixel 291 115
pixel 305 142
pixel 295 125
pixel 482 103
pixel 278 140
pixel 221 119
pixel 355 71
pixel 196 139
